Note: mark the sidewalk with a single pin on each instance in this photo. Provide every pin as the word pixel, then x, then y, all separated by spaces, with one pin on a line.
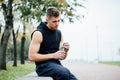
pixel 86 71
pixel 93 71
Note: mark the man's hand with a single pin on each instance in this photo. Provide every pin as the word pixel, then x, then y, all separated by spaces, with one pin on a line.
pixel 66 46
pixel 59 55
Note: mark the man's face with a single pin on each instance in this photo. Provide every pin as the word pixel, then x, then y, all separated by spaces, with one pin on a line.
pixel 53 22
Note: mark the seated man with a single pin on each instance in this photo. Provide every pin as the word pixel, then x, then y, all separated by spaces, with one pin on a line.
pixel 45 50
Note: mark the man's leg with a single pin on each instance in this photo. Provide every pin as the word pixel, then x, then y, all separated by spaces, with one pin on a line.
pixel 57 72
pixel 72 77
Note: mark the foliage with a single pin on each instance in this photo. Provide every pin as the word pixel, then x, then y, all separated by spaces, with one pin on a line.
pixel 10 49
pixel 111 63
pixel 15 72
pixel 36 9
pixel 26 48
pixel 1 1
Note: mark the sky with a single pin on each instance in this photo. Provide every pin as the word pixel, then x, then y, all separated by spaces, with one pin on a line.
pixel 97 37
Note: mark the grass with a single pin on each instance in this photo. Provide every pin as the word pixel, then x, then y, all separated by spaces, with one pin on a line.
pixel 111 63
pixel 15 72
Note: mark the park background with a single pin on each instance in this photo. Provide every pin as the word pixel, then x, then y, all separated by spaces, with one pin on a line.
pixel 97 37
pixel 94 38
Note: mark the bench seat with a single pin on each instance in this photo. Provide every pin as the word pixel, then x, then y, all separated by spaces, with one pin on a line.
pixel 33 76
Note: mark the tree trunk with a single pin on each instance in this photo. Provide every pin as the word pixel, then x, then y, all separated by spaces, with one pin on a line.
pixel 23 45
pixel 0 31
pixel 2 57
pixel 22 49
pixel 0 28
pixel 15 49
pixel 5 36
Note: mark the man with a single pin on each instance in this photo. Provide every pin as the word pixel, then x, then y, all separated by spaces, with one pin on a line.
pixel 45 50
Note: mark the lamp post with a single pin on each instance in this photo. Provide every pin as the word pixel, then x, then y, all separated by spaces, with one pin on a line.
pixel 97 42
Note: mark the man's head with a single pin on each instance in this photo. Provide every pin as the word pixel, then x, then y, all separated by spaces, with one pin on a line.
pixel 52 18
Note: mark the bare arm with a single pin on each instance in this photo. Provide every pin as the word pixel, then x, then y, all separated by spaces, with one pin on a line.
pixel 66 45
pixel 34 48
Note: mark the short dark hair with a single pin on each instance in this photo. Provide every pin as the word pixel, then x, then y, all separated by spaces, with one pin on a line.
pixel 52 12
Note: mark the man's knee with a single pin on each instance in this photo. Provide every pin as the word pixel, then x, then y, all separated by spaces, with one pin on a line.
pixel 63 72
pixel 64 75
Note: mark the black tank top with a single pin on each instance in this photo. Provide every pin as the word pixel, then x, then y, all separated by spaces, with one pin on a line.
pixel 51 40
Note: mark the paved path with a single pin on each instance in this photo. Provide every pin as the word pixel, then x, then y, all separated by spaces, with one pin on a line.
pixel 94 71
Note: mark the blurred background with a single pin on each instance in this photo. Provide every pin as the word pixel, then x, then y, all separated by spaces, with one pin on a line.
pixel 92 27
pixel 96 37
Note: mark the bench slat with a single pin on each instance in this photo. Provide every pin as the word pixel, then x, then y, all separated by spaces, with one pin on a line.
pixel 33 76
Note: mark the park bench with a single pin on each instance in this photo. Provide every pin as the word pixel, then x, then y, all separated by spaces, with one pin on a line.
pixel 33 76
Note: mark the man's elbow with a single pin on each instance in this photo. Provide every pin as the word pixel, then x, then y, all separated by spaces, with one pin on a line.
pixel 31 57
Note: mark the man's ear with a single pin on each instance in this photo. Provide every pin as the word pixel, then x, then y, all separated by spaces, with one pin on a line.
pixel 46 19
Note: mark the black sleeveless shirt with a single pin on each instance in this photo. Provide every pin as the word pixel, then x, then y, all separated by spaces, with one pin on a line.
pixel 51 40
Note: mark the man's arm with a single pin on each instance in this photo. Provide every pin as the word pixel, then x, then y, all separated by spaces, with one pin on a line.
pixel 34 48
pixel 66 45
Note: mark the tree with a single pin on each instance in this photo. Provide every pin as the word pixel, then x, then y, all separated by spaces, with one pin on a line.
pixel 7 8
pixel 6 34
pixel 23 44
pixel 0 28
pixel 36 9
pixel 15 48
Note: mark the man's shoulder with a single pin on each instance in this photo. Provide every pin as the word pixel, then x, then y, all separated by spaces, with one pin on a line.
pixel 36 33
pixel 58 31
pixel 41 25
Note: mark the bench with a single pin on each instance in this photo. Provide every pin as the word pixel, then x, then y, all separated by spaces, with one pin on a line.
pixel 33 76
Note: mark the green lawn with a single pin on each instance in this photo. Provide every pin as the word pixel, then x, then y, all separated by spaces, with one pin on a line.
pixel 111 63
pixel 15 72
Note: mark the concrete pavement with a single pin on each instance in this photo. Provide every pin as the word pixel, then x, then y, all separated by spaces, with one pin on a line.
pixel 93 71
